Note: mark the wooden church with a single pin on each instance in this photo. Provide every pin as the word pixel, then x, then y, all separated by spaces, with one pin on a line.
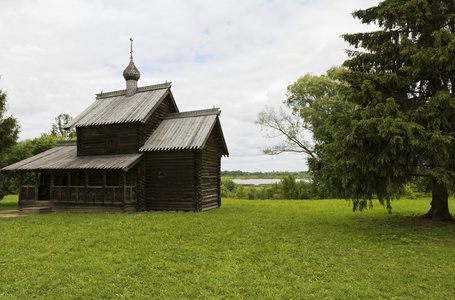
pixel 134 151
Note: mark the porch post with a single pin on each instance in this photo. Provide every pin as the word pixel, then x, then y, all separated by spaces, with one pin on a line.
pixel 21 175
pixel 36 185
pixel 86 186
pixel 52 185
pixel 68 192
pixel 104 186
pixel 124 188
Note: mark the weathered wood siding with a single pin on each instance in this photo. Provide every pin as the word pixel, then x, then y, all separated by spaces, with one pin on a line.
pixel 187 180
pixel 210 175
pixel 217 135
pixel 108 139
pixel 141 183
pixel 170 180
pixel 152 123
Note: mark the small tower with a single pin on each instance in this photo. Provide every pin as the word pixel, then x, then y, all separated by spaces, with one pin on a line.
pixel 131 75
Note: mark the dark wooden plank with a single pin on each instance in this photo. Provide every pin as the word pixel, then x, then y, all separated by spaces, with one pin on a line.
pixel 108 139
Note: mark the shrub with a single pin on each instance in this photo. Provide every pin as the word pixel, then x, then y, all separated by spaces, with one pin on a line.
pixel 251 194
pixel 229 184
pixel 240 193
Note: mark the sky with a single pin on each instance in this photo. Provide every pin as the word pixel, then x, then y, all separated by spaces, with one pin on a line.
pixel 238 55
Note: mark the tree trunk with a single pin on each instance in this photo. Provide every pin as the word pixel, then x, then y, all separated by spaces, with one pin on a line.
pixel 439 210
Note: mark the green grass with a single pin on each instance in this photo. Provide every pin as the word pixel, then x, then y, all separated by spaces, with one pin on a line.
pixel 8 203
pixel 303 249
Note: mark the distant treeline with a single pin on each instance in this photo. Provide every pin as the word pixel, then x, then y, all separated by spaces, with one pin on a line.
pixel 289 188
pixel 266 175
pixel 286 188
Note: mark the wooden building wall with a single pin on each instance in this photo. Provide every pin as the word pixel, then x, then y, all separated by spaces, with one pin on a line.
pixel 170 180
pixel 152 123
pixel 121 138
pixel 184 180
pixel 211 175
pixel 141 183
pixel 108 139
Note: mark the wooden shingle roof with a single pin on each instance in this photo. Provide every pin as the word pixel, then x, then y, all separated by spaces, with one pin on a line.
pixel 64 157
pixel 185 131
pixel 116 107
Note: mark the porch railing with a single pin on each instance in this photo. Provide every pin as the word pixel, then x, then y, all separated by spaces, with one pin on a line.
pixel 27 192
pixel 83 194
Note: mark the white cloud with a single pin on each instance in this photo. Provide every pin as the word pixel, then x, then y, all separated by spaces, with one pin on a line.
pixel 236 55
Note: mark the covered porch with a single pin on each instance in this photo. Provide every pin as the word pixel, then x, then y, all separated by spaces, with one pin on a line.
pixel 83 188
pixel 63 181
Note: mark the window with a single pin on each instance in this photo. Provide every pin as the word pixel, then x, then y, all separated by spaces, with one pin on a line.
pixel 111 144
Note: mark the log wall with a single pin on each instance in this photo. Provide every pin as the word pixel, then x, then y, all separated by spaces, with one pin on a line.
pixel 217 135
pixel 141 183
pixel 152 123
pixel 108 139
pixel 211 175
pixel 121 138
pixel 170 180
pixel 184 180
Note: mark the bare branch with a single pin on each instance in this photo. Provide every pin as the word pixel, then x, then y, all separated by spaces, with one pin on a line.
pixel 284 125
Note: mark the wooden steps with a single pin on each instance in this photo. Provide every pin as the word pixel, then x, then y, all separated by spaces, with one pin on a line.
pixel 36 210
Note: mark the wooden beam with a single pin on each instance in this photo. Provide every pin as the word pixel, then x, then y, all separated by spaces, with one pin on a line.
pixel 68 186
pixel 78 178
pixel 86 186
pixel 124 188
pixel 104 186
pixel 21 178
pixel 52 185
pixel 36 185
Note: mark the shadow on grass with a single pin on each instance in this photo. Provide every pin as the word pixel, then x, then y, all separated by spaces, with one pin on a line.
pixel 414 221
pixel 8 203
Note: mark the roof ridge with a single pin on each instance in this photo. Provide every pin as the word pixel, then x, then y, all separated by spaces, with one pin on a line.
pixel 67 143
pixel 193 113
pixel 146 88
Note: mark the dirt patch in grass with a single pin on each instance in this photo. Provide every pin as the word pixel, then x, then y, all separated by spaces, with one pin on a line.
pixel 11 213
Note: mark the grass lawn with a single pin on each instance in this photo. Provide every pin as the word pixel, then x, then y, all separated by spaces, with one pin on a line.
pixel 244 250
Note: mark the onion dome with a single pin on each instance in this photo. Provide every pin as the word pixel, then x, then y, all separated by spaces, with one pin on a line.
pixel 131 72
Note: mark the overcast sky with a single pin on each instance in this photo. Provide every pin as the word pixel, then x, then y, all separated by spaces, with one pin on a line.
pixel 238 55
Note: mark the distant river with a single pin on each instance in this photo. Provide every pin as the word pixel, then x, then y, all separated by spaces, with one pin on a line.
pixel 258 181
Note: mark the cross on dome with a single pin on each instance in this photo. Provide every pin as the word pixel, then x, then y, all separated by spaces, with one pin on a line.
pixel 131 72
pixel 131 51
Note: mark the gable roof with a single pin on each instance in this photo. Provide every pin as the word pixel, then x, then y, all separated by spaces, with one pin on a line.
pixel 116 107
pixel 185 131
pixel 64 157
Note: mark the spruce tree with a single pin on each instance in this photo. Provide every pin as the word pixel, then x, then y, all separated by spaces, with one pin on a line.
pixel 401 80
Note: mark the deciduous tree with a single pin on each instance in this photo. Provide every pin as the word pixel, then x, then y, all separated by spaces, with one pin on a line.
pixel 23 150
pixel 9 130
pixel 58 130
pixel 311 100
